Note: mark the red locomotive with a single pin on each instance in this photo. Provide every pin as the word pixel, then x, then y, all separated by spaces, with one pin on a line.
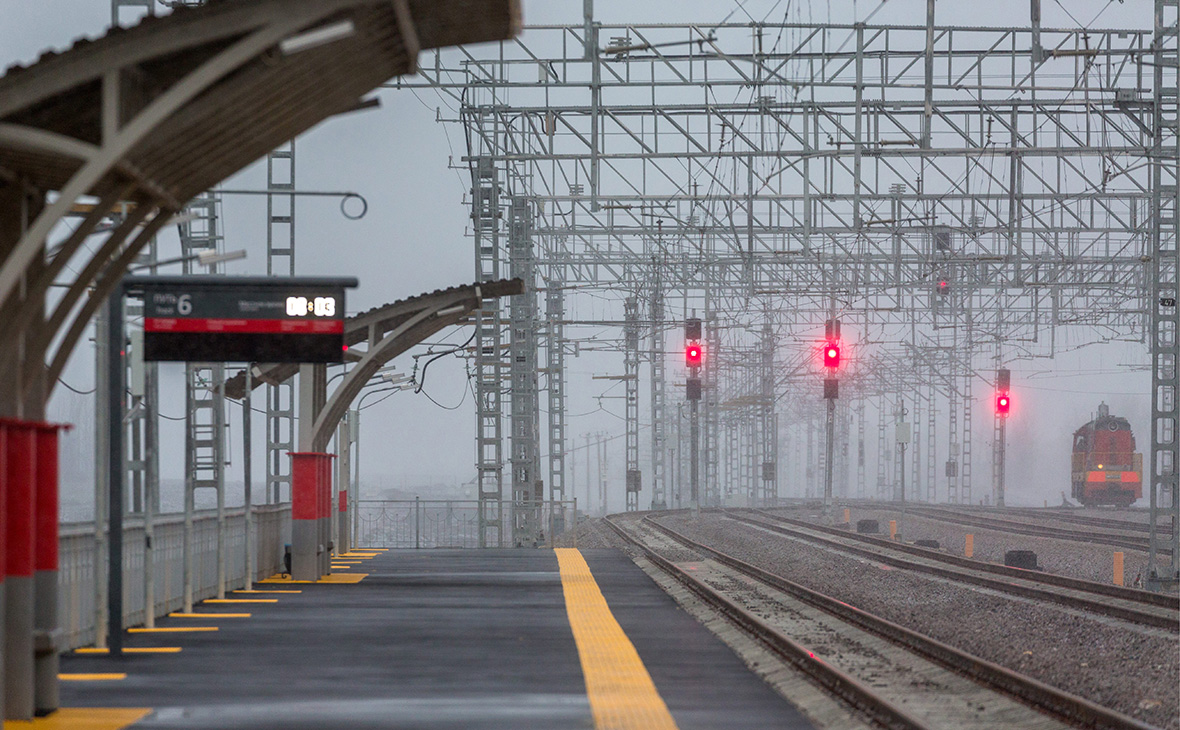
pixel 1106 469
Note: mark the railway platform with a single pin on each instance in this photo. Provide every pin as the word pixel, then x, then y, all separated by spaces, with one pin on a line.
pixel 431 639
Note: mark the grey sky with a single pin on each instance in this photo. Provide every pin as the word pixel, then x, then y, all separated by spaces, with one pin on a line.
pixel 412 240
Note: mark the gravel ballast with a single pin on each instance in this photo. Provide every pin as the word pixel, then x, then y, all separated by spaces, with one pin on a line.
pixel 1088 561
pixel 1134 671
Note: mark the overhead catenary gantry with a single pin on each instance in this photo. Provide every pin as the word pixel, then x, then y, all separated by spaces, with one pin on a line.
pixel 949 187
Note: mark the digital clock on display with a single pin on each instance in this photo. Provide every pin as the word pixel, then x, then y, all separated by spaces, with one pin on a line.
pixel 316 306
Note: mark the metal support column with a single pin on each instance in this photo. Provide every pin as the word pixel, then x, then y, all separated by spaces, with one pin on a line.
pixel 634 478
pixel 555 387
pixel 860 448
pixel 280 261
pixel 526 497
pixel 714 491
pixel 659 480
pixel 204 418
pixel 485 220
pixel 1164 477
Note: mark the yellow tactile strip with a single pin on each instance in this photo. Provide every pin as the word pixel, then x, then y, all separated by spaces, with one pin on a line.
pixel 621 693
pixel 83 718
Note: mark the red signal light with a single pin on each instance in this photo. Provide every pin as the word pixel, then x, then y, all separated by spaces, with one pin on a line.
pixel 832 355
pixel 1003 404
pixel 692 356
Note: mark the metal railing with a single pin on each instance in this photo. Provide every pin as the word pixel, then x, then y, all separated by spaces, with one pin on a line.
pixel 77 591
pixel 445 523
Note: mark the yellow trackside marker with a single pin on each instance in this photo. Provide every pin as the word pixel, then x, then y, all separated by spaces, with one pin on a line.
pixel 92 677
pixel 240 600
pixel 277 591
pixel 171 629
pixel 130 650
pixel 209 615
pixel 330 578
pixel 84 718
pixel 621 693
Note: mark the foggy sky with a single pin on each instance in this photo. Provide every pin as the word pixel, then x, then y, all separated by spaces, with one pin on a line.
pixel 413 240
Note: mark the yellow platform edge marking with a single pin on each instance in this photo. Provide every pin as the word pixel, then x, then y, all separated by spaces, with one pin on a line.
pixel 621 693
pixel 110 676
pixel 275 591
pixel 330 578
pixel 209 615
pixel 240 600
pixel 171 629
pixel 84 718
pixel 130 650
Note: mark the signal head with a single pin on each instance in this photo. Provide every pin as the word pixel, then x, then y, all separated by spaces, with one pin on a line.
pixel 1003 404
pixel 832 355
pixel 692 355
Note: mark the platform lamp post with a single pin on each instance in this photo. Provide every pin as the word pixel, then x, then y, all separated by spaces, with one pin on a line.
pixel 831 361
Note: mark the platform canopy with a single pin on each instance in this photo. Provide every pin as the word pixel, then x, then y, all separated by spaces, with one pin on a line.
pixel 144 118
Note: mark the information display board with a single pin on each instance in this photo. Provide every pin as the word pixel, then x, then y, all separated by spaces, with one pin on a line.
pixel 243 319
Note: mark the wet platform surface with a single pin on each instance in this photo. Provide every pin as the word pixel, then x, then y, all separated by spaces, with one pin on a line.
pixel 429 639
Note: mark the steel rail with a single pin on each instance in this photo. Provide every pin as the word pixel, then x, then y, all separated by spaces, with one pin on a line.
pixel 1057 703
pixel 839 683
pixel 1089 520
pixel 1130 542
pixel 1146 598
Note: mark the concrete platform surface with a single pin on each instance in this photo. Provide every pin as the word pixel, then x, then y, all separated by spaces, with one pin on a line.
pixel 488 639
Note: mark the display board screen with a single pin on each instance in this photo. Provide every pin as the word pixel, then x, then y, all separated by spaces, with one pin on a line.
pixel 228 321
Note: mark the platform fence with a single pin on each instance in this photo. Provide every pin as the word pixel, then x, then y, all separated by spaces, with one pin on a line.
pixel 446 523
pixel 77 592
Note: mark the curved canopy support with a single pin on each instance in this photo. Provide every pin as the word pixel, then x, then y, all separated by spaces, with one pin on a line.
pixel 389 331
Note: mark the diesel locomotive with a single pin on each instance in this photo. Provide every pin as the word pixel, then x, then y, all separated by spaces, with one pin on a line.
pixel 1106 469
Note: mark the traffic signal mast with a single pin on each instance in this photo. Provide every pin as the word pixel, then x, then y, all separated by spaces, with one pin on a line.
pixel 831 360
pixel 693 358
pixel 1003 408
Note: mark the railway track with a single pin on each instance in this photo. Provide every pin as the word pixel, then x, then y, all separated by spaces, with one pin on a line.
pixel 1127 604
pixel 1108 523
pixel 1116 539
pixel 896 677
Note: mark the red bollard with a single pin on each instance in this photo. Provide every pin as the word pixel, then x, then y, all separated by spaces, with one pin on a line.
pixel 305 508
pixel 46 636
pixel 3 550
pixel 18 599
